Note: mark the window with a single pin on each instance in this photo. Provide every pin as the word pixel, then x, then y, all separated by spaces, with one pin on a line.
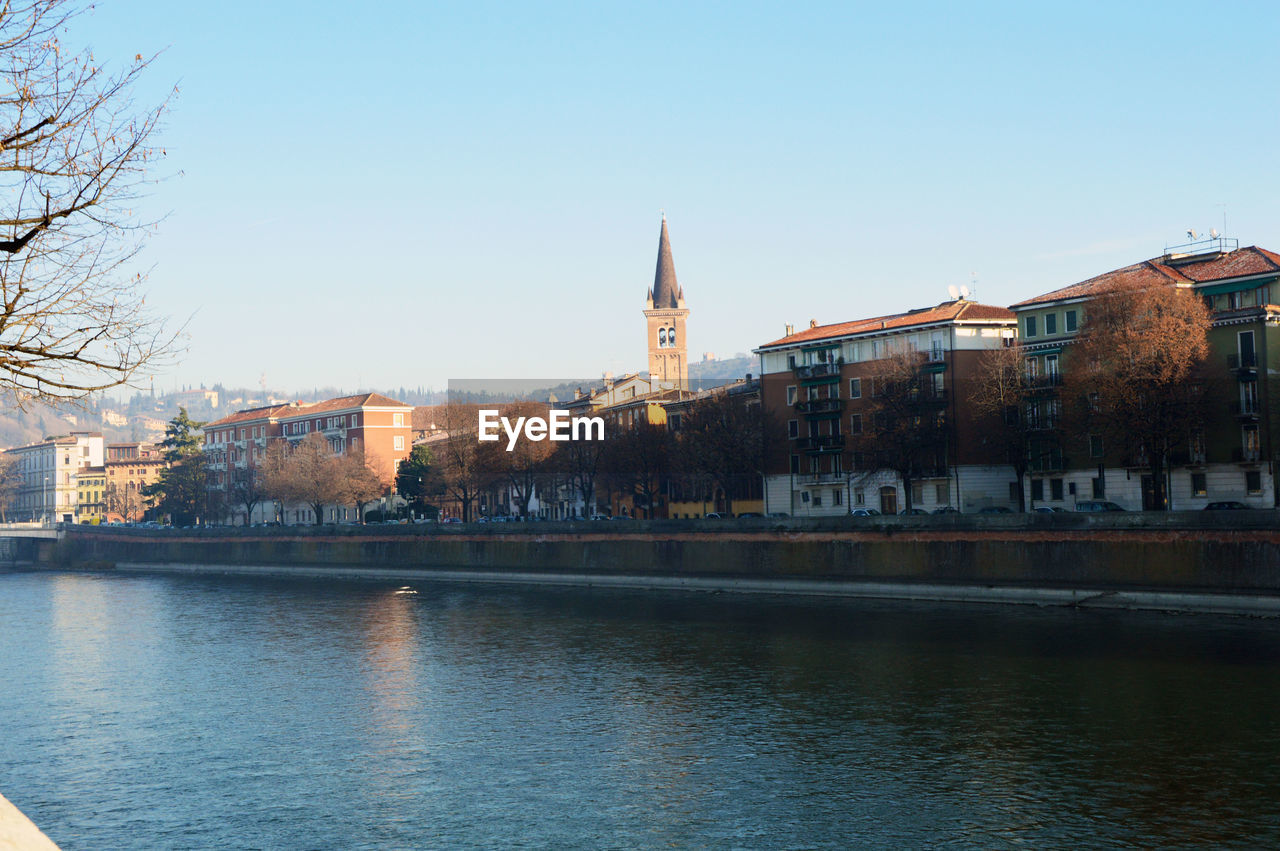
pixel 1253 481
pixel 1199 485
pixel 1249 442
pixel 1071 321
pixel 1051 366
pixel 1031 326
pixel 940 493
pixel 855 424
pixel 791 361
pixel 1055 489
pixel 837 497
pixel 1095 446
pixel 855 388
pixel 791 395
pixel 1050 324
pixel 1037 489
pixel 793 429
pixel 399 442
pixel 397 419
pixel 817 499
pixel 795 464
pixel 917 494
pixel 1033 368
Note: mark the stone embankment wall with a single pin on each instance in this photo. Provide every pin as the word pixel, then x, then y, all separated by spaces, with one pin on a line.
pixel 1234 553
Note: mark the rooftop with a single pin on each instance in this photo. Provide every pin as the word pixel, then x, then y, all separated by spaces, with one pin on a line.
pixel 949 311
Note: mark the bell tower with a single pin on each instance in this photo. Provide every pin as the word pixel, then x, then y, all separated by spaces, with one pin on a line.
pixel 665 316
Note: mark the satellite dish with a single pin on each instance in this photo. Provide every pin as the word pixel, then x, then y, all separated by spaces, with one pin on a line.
pixel 1191 232
pixel 1213 233
pixel 954 292
pixel 964 292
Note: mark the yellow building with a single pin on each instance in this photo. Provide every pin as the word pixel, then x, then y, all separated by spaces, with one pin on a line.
pixel 91 487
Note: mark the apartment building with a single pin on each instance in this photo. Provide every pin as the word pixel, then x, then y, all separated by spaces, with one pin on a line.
pixel 819 389
pixel 49 472
pixel 1232 457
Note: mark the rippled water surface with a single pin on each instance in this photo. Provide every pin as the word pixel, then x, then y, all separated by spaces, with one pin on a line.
pixel 180 712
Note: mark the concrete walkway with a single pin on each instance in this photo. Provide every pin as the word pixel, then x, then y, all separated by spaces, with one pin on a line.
pixel 17 833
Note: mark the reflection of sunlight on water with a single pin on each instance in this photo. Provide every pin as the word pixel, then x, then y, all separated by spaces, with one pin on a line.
pixel 390 652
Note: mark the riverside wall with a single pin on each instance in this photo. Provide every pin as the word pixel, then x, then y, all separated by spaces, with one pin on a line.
pixel 1181 554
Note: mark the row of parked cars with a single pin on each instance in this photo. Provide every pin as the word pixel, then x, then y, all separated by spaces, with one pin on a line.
pixel 1084 505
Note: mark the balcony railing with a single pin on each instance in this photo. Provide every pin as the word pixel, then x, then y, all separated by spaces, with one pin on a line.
pixel 1245 455
pixel 1044 382
pixel 1245 360
pixel 1245 410
pixel 824 442
pixel 935 356
pixel 820 478
pixel 818 370
pixel 820 406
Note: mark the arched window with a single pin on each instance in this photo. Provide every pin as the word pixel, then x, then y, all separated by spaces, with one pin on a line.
pixel 671 336
pixel 662 336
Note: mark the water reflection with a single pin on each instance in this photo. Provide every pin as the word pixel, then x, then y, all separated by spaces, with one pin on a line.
pixel 459 716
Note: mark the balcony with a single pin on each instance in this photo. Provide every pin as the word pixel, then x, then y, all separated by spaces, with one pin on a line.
pixel 1244 364
pixel 1245 411
pixel 820 406
pixel 820 478
pixel 1245 455
pixel 818 370
pixel 935 355
pixel 1052 381
pixel 822 443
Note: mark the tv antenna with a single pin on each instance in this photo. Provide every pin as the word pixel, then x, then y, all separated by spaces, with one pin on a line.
pixel 954 292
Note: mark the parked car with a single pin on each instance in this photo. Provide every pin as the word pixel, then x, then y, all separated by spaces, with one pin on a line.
pixel 750 515
pixel 946 509
pixel 1227 505
pixel 910 511
pixel 864 512
pixel 778 515
pixel 599 516
pixel 1095 505
pixel 1049 509
pixel 452 520
pixel 995 509
pixel 713 515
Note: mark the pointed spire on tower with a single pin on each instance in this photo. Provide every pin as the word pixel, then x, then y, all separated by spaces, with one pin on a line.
pixel 666 291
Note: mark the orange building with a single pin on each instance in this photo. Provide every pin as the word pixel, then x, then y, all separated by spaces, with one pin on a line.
pixel 130 467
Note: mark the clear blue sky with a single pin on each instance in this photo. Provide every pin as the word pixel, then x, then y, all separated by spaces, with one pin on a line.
pixel 402 193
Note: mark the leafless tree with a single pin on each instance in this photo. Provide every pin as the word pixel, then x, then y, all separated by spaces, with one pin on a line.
pixel 526 464
pixel 721 441
pixel 74 155
pixel 463 471
pixel 1018 412
pixel 908 430
pixel 1136 376
pixel 126 502
pixel 359 482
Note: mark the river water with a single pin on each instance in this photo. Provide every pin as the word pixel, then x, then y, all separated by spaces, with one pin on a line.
pixel 206 712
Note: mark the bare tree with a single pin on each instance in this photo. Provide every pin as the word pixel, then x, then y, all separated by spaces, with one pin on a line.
pixel 1136 375
pixel 359 483
pixel 526 464
pixel 247 491
pixel 463 471
pixel 308 473
pixel 76 151
pixel 1017 410
pixel 124 502
pixel 721 441
pixel 908 429
pixel 638 461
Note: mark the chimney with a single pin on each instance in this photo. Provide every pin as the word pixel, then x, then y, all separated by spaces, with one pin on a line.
pixel 813 323
pixel 791 329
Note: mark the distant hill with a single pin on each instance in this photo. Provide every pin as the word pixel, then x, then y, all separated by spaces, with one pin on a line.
pixel 736 367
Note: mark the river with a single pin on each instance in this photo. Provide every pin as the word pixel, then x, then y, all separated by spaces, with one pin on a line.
pixel 208 712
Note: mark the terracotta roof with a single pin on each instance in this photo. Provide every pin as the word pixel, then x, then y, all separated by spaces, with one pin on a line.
pixel 950 311
pixel 665 292
pixel 346 403
pixel 1163 271
pixel 248 414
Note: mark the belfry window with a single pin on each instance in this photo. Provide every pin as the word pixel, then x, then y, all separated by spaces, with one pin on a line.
pixel 662 336
pixel 671 336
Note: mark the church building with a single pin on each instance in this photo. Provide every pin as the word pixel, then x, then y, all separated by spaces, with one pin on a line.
pixel 666 315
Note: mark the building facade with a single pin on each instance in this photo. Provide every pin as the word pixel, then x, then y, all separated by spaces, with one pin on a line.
pixel 1233 456
pixel 129 470
pixel 819 389
pixel 49 471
